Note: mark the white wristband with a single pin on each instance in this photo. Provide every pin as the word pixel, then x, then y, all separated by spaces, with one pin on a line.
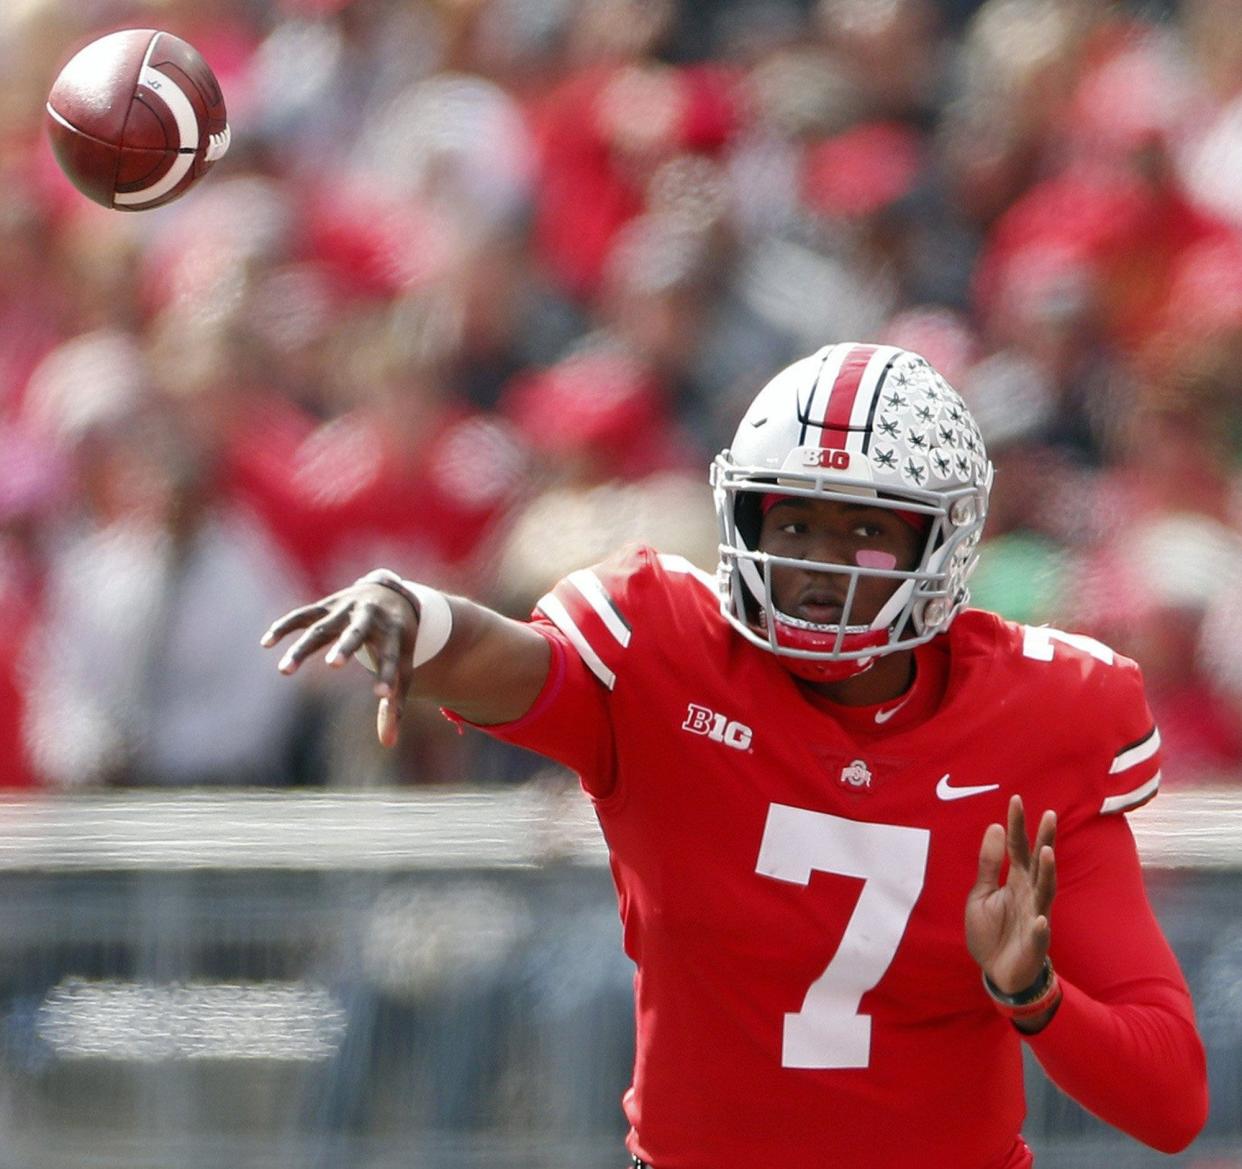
pixel 435 614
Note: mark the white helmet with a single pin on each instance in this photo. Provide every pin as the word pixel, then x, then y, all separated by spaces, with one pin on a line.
pixel 869 424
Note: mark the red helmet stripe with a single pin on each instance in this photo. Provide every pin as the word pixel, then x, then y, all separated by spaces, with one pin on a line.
pixel 835 428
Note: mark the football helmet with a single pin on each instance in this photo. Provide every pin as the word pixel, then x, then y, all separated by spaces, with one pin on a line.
pixel 864 424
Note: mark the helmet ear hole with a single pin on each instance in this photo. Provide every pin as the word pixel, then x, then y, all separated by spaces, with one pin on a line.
pixel 748 516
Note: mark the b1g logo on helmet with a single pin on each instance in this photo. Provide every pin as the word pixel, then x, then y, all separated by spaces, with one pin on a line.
pixel 701 721
pixel 828 458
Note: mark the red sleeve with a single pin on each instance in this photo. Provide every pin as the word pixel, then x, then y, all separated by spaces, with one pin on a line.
pixel 1124 1042
pixel 1133 775
pixel 568 721
pixel 588 617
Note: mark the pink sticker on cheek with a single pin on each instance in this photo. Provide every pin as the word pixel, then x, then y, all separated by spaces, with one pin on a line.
pixel 870 558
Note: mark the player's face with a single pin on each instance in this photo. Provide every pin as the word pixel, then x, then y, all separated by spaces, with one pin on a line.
pixel 837 533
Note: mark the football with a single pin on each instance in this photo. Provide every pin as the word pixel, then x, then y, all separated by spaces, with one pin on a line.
pixel 136 118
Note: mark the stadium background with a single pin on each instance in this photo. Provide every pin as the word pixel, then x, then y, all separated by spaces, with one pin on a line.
pixel 479 289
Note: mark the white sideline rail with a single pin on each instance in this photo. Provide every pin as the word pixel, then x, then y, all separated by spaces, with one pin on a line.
pixel 517 828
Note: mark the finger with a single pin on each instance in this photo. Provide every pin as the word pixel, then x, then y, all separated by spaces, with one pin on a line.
pixel 991 857
pixel 294 619
pixel 1045 879
pixel 1040 936
pixel 354 635
pixel 388 714
pixel 389 659
pixel 316 637
pixel 387 722
pixel 1046 833
pixel 1019 849
pixel 403 682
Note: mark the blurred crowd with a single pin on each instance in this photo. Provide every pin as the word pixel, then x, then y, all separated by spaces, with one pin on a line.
pixel 482 285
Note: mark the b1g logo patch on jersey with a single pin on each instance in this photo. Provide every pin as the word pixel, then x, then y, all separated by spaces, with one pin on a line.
pixel 702 721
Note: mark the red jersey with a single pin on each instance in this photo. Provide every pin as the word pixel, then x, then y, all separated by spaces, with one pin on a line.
pixel 792 877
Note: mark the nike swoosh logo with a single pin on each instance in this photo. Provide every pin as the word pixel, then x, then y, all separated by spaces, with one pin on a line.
pixel 882 716
pixel 946 791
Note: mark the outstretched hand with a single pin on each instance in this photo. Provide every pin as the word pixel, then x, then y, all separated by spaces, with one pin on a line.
pixel 361 616
pixel 1007 927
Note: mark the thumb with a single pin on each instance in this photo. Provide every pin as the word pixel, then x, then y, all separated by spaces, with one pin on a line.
pixel 388 714
pixel 388 721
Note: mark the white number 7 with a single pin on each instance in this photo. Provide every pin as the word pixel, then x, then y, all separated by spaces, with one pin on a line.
pixel 829 1032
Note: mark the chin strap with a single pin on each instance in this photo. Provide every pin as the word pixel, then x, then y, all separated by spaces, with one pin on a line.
pixel 810 670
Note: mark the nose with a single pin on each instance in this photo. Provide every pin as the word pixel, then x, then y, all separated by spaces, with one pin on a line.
pixel 827 548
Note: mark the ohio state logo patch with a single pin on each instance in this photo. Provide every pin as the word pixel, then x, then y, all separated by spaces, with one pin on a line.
pixel 856 776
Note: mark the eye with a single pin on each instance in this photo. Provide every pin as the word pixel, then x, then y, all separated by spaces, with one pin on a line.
pixel 868 530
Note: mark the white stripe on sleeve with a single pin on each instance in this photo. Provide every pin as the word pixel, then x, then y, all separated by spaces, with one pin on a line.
pixel 556 612
pixel 1133 756
pixel 1130 799
pixel 592 589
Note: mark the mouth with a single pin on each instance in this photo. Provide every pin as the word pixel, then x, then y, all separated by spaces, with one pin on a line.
pixel 819 608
